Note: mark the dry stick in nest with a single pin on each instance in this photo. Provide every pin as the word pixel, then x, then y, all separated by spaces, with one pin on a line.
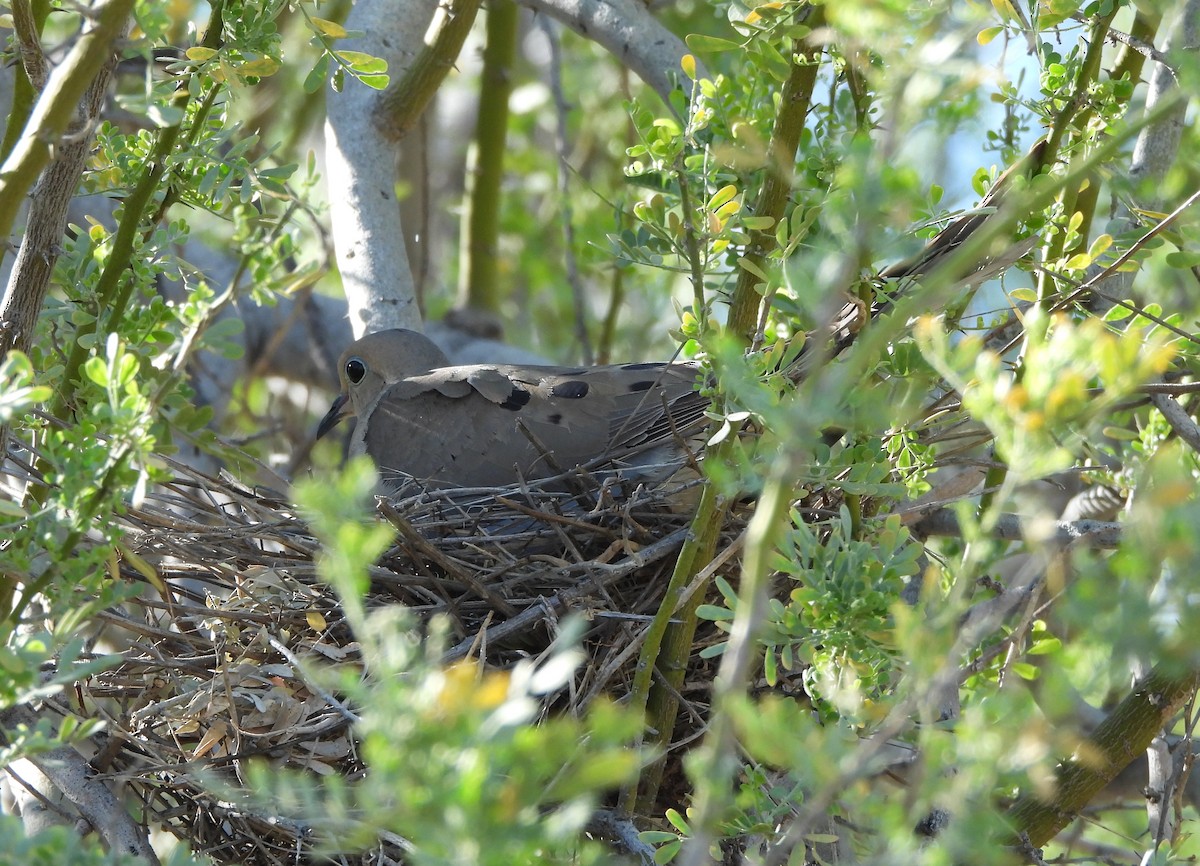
pixel 418 545
pixel 602 575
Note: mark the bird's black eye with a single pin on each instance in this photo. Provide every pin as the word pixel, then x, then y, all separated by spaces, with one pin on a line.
pixel 355 370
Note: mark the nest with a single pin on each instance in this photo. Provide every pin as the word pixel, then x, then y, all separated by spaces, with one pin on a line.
pixel 210 654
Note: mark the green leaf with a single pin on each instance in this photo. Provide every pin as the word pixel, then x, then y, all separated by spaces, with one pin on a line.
pixel 1182 259
pixel 96 370
pixel 315 79
pixel 724 194
pixel 1100 246
pixel 325 27
pixel 678 822
pixel 700 42
pixel 1045 646
pixel 375 82
pixel 1119 433
pixel 667 852
pixel 748 265
pixel 656 837
pixel 714 612
pixel 200 53
pixel 362 63
pixel 987 34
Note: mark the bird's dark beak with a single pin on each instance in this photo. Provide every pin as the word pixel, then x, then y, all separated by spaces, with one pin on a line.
pixel 333 416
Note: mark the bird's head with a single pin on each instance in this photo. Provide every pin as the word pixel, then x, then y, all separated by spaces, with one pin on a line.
pixel 373 363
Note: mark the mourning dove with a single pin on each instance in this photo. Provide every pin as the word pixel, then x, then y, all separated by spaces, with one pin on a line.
pixel 487 425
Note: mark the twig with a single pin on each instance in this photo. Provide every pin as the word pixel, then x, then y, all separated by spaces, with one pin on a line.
pixel 561 109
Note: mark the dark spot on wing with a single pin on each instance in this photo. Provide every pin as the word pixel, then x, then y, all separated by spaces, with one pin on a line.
pixel 556 418
pixel 517 398
pixel 571 390
pixel 580 372
pixel 644 385
pixel 649 365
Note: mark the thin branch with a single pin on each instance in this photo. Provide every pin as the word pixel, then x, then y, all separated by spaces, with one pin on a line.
pixel 1133 250
pixel 561 110
pixel 1146 49
pixel 1100 534
pixel 406 98
pixel 629 31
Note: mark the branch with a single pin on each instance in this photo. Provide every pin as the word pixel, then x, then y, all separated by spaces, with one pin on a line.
pixel 1008 527
pixel 478 284
pixel 1181 422
pixel 76 779
pixel 402 104
pixel 777 185
pixel 56 107
pixel 47 222
pixel 1126 733
pixel 566 212
pixel 28 29
pixel 28 20
pixel 360 166
pixel 628 31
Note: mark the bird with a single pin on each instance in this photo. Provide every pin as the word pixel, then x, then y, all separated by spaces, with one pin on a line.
pixel 421 418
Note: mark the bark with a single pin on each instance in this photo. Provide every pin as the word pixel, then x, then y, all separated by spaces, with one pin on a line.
pixel 361 172
pixel 47 221
pixel 56 106
pixel 630 32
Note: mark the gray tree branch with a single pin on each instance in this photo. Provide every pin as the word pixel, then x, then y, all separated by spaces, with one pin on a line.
pixel 361 171
pixel 70 774
pixel 627 30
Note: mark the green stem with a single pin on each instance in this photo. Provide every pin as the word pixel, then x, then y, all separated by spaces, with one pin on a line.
pixel 478 287
pixel 28 21
pixel 1121 737
pixel 777 184
pixel 115 285
pixel 404 101
pixel 717 758
pixel 1075 115
pixel 696 551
